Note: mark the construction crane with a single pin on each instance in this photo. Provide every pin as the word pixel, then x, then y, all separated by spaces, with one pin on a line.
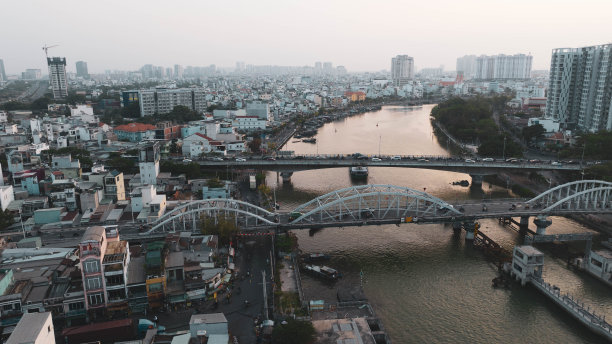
pixel 46 47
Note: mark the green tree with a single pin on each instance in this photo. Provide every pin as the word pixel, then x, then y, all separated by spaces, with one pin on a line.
pixel 41 103
pixel 294 332
pixel 223 226
pixel 533 133
pixel 74 98
pixel 6 219
pixel 494 147
pixel 132 110
pixel 174 148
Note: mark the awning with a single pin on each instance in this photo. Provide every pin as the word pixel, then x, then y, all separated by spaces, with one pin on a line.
pixel 196 294
pixel 177 298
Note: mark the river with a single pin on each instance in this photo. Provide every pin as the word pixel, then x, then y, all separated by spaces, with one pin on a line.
pixel 425 284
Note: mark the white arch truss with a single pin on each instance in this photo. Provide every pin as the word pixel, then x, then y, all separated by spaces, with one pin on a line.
pixel 188 214
pixel 577 192
pixel 587 200
pixel 372 202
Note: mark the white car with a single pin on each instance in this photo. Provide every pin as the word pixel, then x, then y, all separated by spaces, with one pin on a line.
pixel 470 160
pixel 397 157
pixel 488 159
pixel 217 159
pixel 187 160
pixel 240 160
pixel 376 159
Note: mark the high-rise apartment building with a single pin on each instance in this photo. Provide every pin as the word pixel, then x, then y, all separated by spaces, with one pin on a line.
pixel 402 69
pixel 57 76
pixel 2 72
pixel 466 66
pixel 178 71
pixel 503 67
pixel 580 87
pixel 81 67
pixel 162 101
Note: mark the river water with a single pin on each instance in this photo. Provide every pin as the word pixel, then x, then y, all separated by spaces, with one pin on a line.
pixel 425 284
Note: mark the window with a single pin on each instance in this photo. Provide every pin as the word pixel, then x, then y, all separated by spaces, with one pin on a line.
pixel 95 299
pixel 155 287
pixel 91 266
pixel 518 268
pixel 596 262
pixel 94 283
pixel 75 306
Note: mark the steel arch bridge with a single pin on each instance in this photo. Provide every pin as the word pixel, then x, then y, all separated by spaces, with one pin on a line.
pixel 386 204
pixel 577 196
pixel 187 215
pixel 378 202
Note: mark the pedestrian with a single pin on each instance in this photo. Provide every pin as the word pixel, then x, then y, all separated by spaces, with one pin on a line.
pixel 155 320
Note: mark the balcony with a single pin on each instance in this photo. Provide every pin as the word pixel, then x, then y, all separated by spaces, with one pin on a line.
pixel 75 313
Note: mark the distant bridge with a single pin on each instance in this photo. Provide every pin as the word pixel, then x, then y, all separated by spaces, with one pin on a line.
pixel 310 162
pixel 389 204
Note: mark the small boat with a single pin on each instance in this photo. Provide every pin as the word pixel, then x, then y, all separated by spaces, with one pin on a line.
pixel 322 271
pixel 313 257
pixel 310 140
pixel 296 141
pixel 359 171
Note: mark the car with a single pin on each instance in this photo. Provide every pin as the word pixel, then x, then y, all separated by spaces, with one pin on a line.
pixel 187 160
pixel 470 161
pixel 488 160
pixel 362 157
pixel 217 159
pixel 270 158
pixel 376 159
pixel 240 160
pixel 555 163
pixel 397 157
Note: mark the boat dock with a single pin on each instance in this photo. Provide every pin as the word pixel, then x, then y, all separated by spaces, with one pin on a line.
pixel 527 265
pixel 575 308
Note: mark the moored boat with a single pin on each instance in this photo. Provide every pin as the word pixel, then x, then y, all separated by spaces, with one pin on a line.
pixel 359 171
pixel 322 271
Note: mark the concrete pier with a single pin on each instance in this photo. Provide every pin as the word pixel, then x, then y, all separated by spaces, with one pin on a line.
pixel 541 222
pixel 286 176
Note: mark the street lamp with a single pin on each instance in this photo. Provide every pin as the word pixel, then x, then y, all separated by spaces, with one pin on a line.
pixel 504 151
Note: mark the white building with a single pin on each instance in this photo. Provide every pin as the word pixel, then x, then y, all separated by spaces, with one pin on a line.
pixel 33 328
pixel 580 87
pixel 6 196
pixel 162 101
pixel 503 67
pixel 259 109
pixel 402 69
pixel 466 66
pixel 527 263
pixel 198 144
pixel 57 76
pixel 148 164
pixel 228 114
pixel 249 123
pixel 83 112
pixel 148 203
pixel 549 124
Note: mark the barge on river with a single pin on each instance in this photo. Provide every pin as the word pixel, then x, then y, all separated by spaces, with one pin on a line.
pixel 322 271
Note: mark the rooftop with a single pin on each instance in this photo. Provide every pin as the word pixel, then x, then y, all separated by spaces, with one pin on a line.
pixel 212 318
pixel 29 328
pixel 93 233
pixel 135 127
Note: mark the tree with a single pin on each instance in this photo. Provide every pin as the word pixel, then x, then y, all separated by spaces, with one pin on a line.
pixel 174 148
pixel 132 110
pixel 223 226
pixel 6 219
pixel 533 133
pixel 494 147
pixel 294 332
pixel 74 98
pixel 255 145
pixel 41 103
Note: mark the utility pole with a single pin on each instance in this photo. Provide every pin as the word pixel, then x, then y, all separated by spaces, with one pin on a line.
pixel 582 158
pixel 504 153
pixel 379 141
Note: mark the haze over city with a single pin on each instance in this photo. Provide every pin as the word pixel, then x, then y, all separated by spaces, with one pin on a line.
pixel 357 34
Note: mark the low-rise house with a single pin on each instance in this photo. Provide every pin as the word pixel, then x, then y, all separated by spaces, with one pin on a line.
pixel 135 132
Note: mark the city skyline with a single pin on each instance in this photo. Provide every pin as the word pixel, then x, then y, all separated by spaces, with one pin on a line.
pixel 362 38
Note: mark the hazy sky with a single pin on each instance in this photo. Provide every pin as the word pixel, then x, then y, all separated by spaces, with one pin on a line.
pixel 361 35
